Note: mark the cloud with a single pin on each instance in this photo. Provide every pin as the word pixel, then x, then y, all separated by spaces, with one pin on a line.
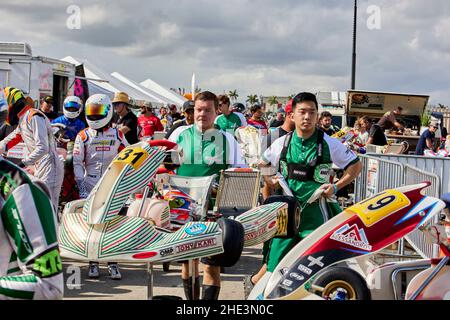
pixel 259 47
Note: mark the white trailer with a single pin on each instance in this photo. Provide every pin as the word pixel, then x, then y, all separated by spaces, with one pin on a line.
pixel 38 77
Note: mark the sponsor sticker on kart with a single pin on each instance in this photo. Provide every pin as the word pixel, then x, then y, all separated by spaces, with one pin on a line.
pixel 254 234
pixel 195 245
pixel 166 252
pixel 379 207
pixel 352 236
pixel 282 222
pixel 133 156
pixel 196 229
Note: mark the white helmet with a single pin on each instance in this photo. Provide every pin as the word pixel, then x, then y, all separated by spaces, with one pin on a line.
pixel 72 102
pixel 99 111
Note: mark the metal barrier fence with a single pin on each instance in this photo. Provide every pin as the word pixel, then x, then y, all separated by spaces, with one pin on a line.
pixel 381 174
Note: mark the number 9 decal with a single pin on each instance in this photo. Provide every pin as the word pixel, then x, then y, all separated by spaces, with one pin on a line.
pixel 380 206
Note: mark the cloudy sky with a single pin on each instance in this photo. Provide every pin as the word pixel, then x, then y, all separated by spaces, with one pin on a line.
pixel 262 47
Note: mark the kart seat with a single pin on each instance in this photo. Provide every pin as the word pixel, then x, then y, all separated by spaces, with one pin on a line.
pixel 446 198
pixel 238 191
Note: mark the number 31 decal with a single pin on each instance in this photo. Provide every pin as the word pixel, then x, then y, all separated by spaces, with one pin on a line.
pixel 134 156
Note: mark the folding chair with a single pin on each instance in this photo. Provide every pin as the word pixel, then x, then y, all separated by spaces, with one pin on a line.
pixel 238 192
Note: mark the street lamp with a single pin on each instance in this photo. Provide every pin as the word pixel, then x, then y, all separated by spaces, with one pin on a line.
pixel 354 45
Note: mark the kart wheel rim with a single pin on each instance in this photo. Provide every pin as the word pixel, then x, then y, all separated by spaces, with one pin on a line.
pixel 331 289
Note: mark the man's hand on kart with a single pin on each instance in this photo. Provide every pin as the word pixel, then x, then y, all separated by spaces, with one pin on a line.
pixel 329 190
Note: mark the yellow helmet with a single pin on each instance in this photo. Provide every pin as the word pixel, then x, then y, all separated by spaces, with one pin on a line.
pixel 12 96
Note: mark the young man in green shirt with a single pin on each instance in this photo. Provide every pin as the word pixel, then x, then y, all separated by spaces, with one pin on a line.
pixel 229 121
pixel 305 158
pixel 206 151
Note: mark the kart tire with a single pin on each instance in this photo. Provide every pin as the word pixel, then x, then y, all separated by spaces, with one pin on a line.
pixel 294 214
pixel 341 277
pixel 233 243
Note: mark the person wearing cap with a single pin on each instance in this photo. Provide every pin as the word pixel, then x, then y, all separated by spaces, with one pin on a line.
pixel 188 112
pixel 426 140
pixel 148 122
pixel 256 120
pixel 228 120
pixel 127 122
pixel 47 108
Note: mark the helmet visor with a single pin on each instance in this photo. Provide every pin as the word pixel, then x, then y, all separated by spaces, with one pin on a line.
pixel 72 106
pixel 97 110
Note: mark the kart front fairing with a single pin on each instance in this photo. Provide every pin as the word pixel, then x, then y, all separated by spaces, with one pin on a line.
pixel 98 233
pixel 362 229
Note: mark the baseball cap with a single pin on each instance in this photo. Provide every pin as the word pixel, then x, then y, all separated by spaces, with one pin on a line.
pixel 188 105
pixel 49 99
pixel 288 108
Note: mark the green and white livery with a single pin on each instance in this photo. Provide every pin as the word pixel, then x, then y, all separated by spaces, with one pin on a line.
pixel 30 264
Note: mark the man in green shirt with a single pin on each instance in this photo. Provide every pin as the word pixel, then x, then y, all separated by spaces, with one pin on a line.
pixel 305 158
pixel 229 121
pixel 206 151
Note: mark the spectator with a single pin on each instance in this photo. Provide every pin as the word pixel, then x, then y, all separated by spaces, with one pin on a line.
pixel 175 114
pixel 362 126
pixel 165 118
pixel 444 134
pixel 188 111
pixel 389 120
pixel 127 122
pixel 376 134
pixel 228 120
pixel 278 121
pixel 256 119
pixel 47 108
pixel 325 123
pixel 426 140
pixel 148 122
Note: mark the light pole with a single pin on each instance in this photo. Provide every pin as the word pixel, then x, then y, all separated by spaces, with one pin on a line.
pixel 354 45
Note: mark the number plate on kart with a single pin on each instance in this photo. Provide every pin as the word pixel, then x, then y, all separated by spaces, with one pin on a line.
pixel 377 208
pixel 282 222
pixel 133 156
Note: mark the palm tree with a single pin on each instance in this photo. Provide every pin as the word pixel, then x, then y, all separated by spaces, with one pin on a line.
pixel 272 100
pixel 233 95
pixel 252 99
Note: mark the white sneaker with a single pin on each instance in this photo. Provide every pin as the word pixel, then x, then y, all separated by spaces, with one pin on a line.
pixel 114 272
pixel 94 271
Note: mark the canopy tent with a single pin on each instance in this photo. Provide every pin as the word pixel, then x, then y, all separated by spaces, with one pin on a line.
pixel 100 81
pixel 138 87
pixel 169 94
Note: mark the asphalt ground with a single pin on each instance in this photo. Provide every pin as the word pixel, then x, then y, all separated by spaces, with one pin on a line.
pixel 134 283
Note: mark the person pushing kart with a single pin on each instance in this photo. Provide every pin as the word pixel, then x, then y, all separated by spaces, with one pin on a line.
pixel 304 158
pixel 206 151
pixel 30 264
pixel 95 148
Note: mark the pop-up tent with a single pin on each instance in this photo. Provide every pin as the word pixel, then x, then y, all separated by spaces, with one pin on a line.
pixel 100 81
pixel 152 95
pixel 159 89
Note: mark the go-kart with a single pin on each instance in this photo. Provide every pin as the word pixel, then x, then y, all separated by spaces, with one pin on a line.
pixel 95 229
pixel 363 229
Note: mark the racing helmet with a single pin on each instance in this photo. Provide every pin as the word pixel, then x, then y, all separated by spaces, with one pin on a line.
pixel 15 100
pixel 238 107
pixel 99 111
pixel 72 107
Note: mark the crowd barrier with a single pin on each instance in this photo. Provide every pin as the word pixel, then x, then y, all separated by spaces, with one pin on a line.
pixel 380 172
